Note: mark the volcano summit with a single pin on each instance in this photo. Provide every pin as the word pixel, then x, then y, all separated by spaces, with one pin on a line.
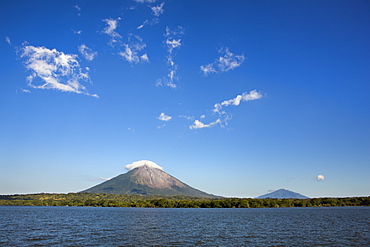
pixel 146 178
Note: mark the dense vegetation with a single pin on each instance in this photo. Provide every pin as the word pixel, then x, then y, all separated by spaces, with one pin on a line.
pixel 110 200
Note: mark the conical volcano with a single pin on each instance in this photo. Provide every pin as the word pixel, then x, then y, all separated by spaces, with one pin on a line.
pixel 146 180
pixel 283 193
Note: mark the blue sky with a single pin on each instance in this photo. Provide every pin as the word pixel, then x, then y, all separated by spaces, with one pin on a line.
pixel 236 98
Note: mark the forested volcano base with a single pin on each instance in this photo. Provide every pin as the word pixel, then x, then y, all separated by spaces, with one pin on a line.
pixel 110 200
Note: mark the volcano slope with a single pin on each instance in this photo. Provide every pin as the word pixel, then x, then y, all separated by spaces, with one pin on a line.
pixel 147 180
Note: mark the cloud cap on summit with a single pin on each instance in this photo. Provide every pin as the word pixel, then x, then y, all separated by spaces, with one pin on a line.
pixel 140 163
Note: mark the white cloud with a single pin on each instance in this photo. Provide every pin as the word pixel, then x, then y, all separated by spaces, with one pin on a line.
pixel 130 55
pixel 225 117
pixel 145 58
pixel 142 163
pixel 132 50
pixel 142 25
pixel 112 26
pixel 235 101
pixel 77 7
pixel 187 117
pixel 157 10
pixel 320 177
pixel 77 32
pixel 7 39
pixel 87 52
pixel 252 95
pixel 228 61
pixel 174 32
pixel 172 42
pixel 110 29
pixel 167 82
pixel 152 22
pixel 164 117
pixel 22 90
pixel 207 69
pixel 131 130
pixel 199 125
pixel 104 179
pixel 56 70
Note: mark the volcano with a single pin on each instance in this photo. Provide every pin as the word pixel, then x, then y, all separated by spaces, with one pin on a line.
pixel 146 179
pixel 283 193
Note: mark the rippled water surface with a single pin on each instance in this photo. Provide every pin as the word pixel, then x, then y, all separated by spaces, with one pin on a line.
pixel 84 226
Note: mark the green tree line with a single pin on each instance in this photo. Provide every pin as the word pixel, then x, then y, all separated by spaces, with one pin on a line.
pixel 111 200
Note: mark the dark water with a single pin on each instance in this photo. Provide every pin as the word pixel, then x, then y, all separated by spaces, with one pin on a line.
pixel 84 226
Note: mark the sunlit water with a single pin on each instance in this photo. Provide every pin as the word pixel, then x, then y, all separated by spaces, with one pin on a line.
pixel 84 226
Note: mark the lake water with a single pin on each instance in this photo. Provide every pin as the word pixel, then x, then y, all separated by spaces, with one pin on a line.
pixel 85 226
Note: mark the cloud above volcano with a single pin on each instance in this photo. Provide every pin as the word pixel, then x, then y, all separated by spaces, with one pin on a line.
pixel 140 163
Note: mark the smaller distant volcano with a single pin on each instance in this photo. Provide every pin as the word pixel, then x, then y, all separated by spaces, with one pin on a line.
pixel 282 193
pixel 146 178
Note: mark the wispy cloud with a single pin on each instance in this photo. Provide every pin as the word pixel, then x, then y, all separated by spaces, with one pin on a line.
pixel 228 61
pixel 78 9
pixel 7 39
pixel 132 51
pixel 187 117
pixel 112 26
pixel 87 52
pixel 199 125
pixel 172 42
pixel 152 22
pixel 143 25
pixel 55 69
pixel 164 117
pixel 144 58
pixel 223 116
pixel 207 69
pixel 110 30
pixel 77 32
pixel 157 10
pixel 22 90
pixel 252 95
